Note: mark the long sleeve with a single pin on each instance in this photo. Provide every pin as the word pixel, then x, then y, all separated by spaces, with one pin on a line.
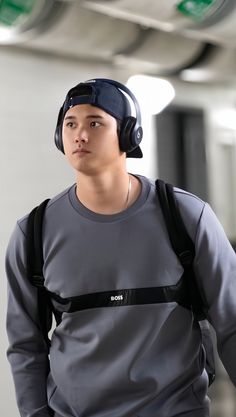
pixel 215 268
pixel 27 352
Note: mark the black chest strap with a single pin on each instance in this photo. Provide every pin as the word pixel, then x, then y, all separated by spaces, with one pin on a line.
pixel 125 297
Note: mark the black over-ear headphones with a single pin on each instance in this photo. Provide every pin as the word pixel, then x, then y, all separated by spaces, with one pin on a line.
pixel 131 131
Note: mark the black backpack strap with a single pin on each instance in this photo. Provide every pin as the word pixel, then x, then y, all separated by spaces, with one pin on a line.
pixel 34 251
pixel 180 240
pixel 34 244
pixel 182 244
pixel 184 248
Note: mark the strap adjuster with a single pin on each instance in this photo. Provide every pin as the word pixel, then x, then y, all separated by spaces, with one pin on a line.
pixel 186 258
pixel 38 281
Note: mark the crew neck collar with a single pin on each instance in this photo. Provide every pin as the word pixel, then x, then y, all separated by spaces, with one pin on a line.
pixel 108 218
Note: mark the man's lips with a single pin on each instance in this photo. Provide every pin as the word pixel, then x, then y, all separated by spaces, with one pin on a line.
pixel 80 151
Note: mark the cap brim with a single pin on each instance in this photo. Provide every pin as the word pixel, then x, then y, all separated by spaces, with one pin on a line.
pixel 135 153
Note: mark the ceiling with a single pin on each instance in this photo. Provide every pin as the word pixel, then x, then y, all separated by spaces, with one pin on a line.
pixel 193 39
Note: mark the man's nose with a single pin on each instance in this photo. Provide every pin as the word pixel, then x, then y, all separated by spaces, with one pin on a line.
pixel 81 136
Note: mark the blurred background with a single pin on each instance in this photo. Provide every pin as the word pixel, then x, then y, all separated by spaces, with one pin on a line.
pixel 178 57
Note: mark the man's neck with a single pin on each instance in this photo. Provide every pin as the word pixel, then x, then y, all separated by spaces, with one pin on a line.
pixel 108 194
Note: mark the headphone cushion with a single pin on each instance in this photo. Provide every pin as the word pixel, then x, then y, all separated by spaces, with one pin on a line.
pixel 58 131
pixel 127 134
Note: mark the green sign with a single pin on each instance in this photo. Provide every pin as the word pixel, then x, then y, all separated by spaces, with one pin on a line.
pixel 12 10
pixel 195 9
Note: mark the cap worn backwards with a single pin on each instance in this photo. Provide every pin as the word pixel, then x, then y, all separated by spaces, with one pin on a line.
pixel 99 94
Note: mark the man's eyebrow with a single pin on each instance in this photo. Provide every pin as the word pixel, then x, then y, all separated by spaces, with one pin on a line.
pixel 69 117
pixel 94 116
pixel 90 116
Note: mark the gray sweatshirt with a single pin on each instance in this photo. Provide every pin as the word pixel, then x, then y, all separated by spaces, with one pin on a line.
pixel 122 361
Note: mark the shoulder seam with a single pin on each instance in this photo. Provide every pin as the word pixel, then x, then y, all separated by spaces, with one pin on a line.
pixel 55 199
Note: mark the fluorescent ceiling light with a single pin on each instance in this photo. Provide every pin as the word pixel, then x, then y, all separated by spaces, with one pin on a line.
pixel 152 93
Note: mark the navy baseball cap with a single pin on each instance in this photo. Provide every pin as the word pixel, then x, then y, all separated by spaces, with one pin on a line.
pixel 106 96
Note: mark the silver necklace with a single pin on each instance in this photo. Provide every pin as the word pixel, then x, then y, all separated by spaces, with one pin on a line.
pixel 128 192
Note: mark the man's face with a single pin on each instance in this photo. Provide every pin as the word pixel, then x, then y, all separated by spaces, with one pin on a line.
pixel 90 139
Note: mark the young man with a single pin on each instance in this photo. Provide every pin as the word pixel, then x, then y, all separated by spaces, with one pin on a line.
pixel 104 240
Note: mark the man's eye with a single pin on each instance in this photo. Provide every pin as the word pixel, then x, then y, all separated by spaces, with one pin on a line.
pixel 69 124
pixel 95 124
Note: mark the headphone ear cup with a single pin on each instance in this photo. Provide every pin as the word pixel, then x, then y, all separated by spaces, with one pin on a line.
pixel 58 138
pixel 130 134
pixel 58 132
pixel 126 134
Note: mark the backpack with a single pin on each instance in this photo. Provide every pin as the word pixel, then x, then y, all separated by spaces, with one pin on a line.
pixel 186 292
